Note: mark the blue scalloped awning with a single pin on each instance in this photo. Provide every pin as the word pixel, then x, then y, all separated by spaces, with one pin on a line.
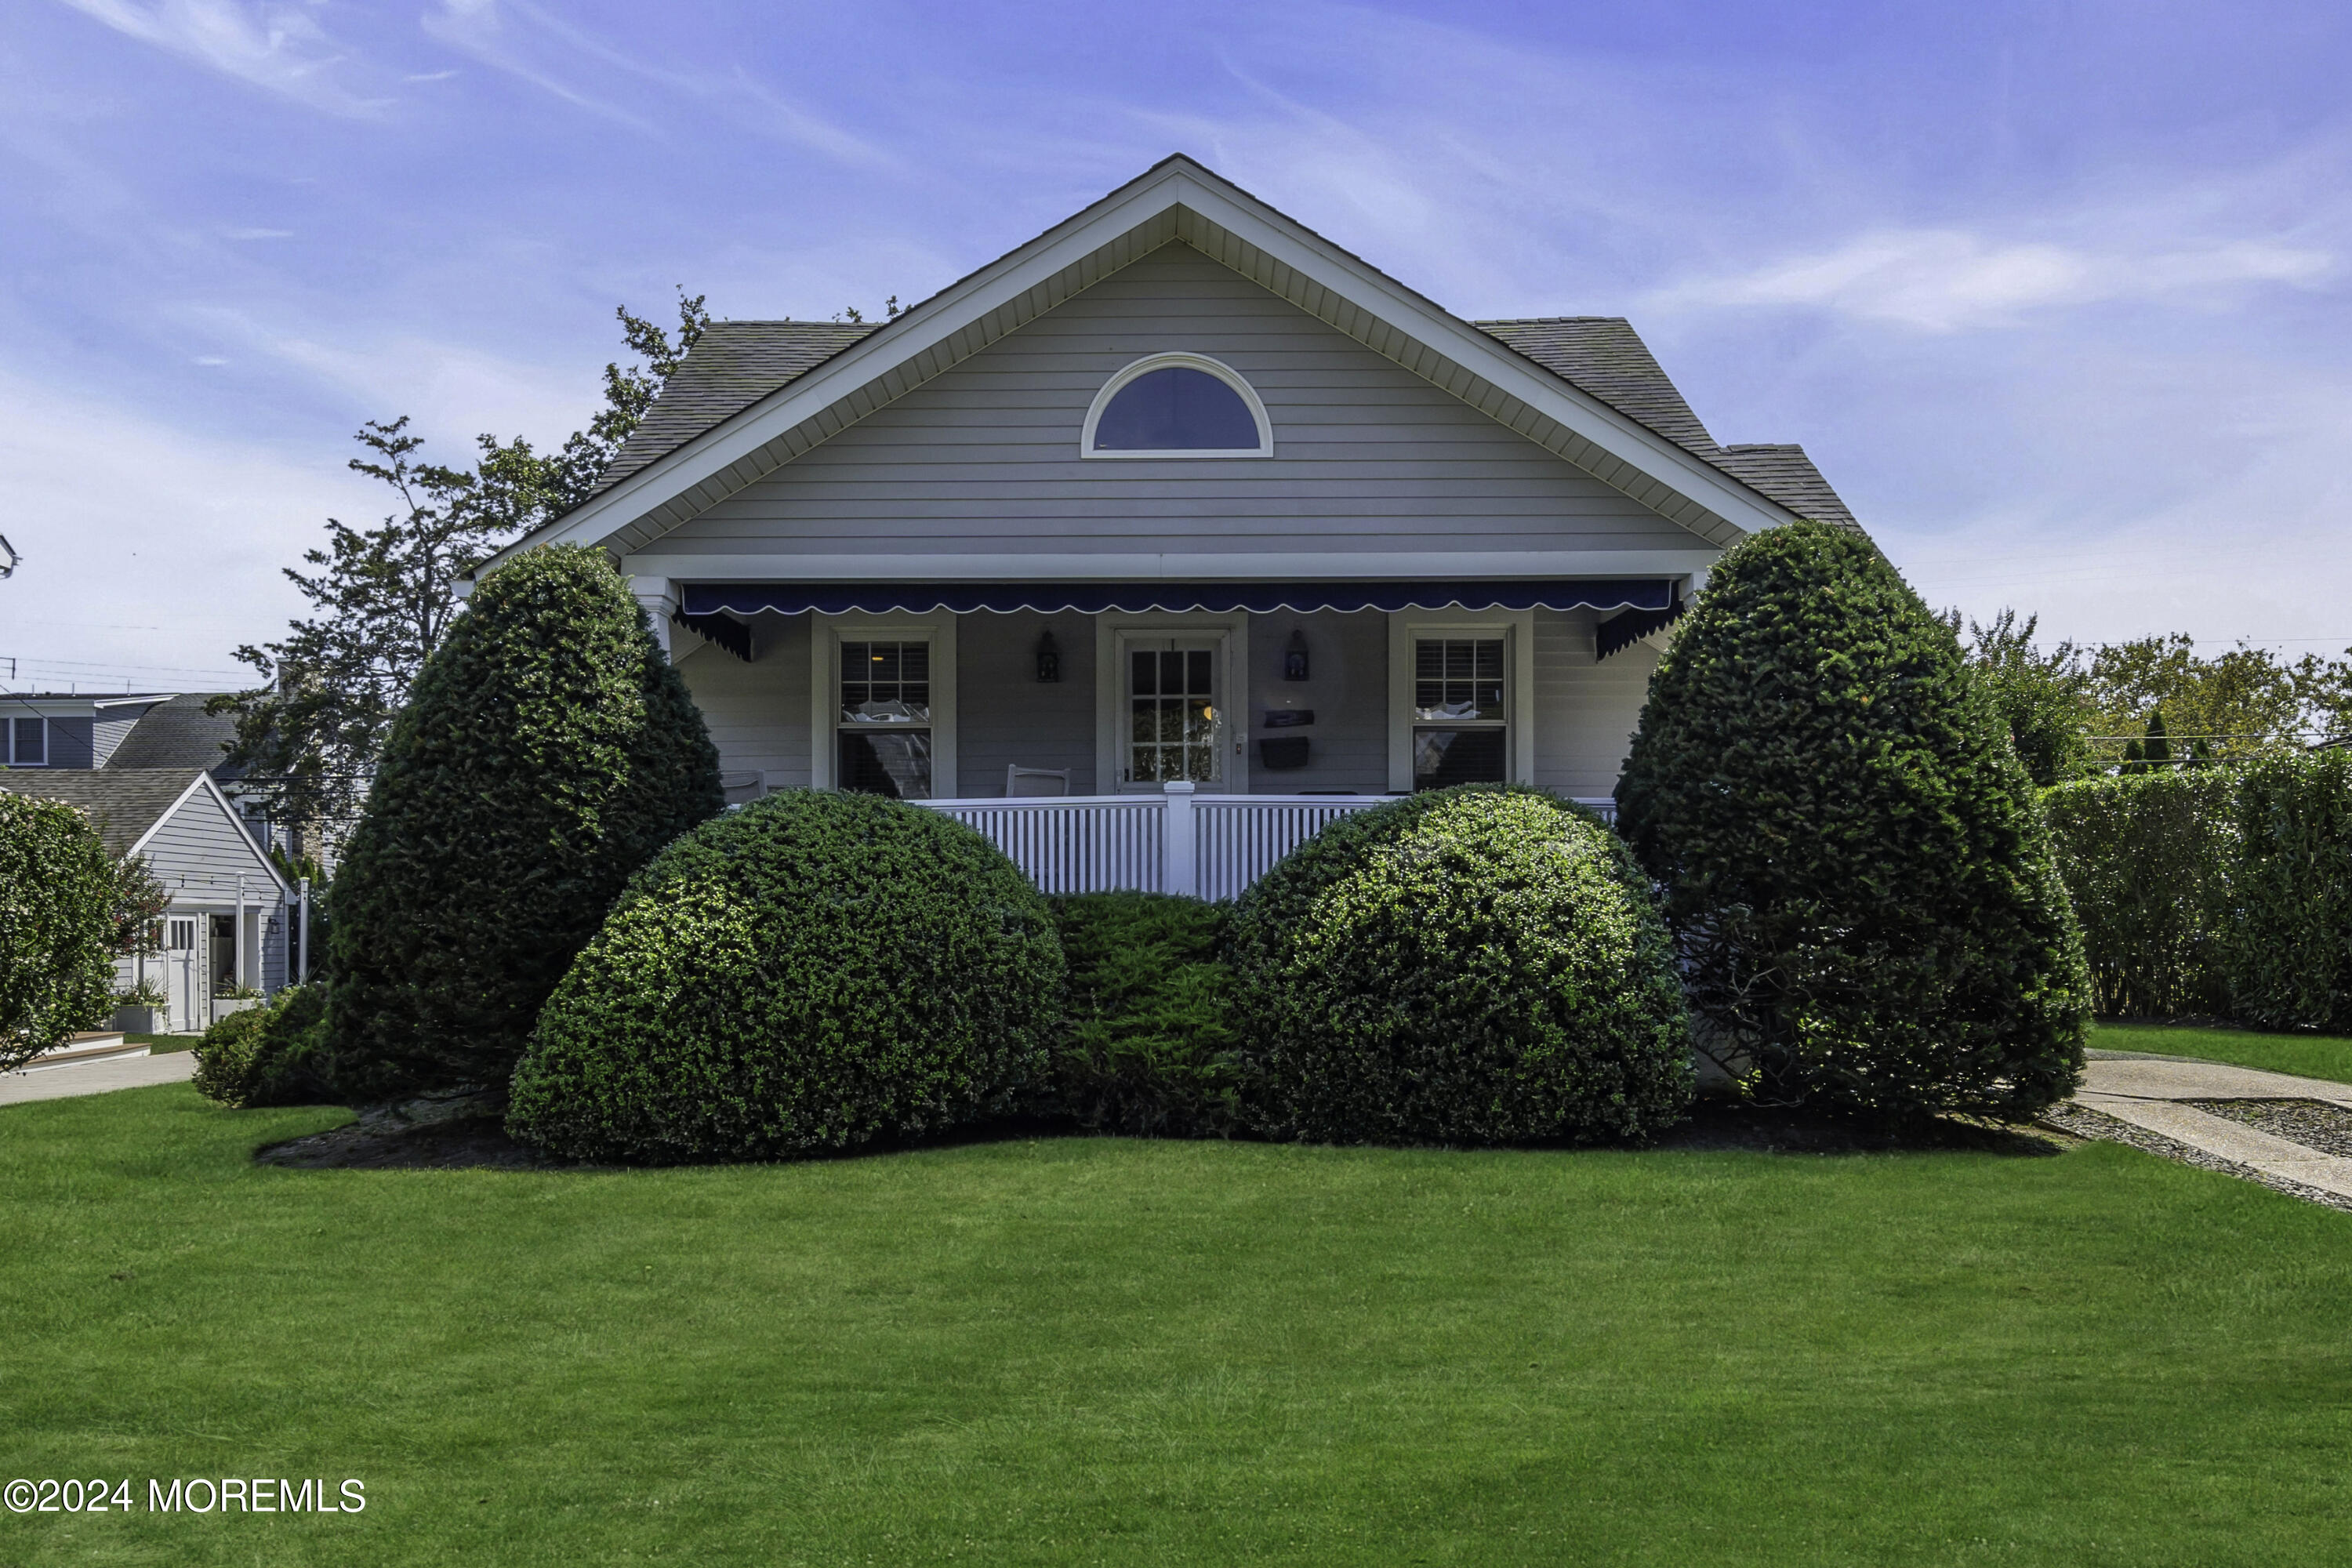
pixel 1655 593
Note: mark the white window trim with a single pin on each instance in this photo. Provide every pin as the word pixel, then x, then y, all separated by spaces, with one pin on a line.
pixel 48 742
pixel 1223 371
pixel 826 635
pixel 1517 628
pixel 1112 632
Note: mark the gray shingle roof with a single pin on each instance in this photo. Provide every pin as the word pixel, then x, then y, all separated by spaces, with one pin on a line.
pixel 735 365
pixel 178 734
pixel 1604 356
pixel 1788 477
pixel 739 362
pixel 124 803
pixel 1607 358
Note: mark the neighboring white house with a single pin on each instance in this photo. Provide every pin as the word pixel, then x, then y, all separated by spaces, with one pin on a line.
pixel 1178 492
pixel 227 927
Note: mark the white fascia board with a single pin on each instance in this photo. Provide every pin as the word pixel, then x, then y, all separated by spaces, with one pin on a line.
pixel 1178 184
pixel 1619 435
pixel 69 707
pixel 929 326
pixel 1248 567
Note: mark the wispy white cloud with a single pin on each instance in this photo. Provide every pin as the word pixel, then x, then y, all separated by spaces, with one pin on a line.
pixel 515 36
pixel 1947 280
pixel 279 48
pixel 453 390
pixel 256 234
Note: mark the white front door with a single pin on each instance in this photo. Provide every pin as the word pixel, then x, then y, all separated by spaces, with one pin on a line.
pixel 1172 724
pixel 185 973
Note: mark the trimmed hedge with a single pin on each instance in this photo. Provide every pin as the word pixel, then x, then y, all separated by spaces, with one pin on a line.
pixel 1147 1046
pixel 812 972
pixel 1470 965
pixel 548 751
pixel 2216 890
pixel 58 901
pixel 1856 869
pixel 2286 943
pixel 268 1055
pixel 2143 856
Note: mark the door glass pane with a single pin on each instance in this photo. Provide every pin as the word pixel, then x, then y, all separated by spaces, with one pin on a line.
pixel 1172 716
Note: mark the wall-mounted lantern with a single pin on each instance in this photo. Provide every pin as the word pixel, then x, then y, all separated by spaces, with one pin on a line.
pixel 1049 659
pixel 1294 658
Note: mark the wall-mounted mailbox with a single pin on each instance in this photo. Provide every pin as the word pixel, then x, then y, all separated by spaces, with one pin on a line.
pixel 1288 717
pixel 1288 751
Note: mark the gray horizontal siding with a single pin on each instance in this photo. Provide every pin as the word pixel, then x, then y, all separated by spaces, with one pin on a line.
pixel 199 852
pixel 1348 689
pixel 757 713
pixel 1005 717
pixel 1585 710
pixel 985 456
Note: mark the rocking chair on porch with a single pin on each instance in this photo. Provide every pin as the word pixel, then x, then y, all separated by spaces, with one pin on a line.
pixel 1022 782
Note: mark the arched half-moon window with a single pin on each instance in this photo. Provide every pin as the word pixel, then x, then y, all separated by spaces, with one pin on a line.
pixel 1177 406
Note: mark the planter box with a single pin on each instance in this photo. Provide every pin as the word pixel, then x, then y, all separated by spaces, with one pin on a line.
pixel 229 1006
pixel 138 1020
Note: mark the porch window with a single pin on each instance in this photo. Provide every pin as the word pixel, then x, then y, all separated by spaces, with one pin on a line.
pixel 1460 730
pixel 885 728
pixel 30 742
pixel 1171 715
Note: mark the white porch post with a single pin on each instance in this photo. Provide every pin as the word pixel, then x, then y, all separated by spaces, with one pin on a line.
pixel 302 937
pixel 659 598
pixel 237 942
pixel 1180 871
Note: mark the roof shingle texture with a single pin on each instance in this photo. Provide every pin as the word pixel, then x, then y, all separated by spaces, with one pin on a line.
pixel 124 803
pixel 737 364
pixel 734 365
pixel 178 734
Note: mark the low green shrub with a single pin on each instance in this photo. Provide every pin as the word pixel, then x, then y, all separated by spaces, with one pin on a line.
pixel 274 1055
pixel 1147 1045
pixel 1471 965
pixel 812 972
pixel 56 926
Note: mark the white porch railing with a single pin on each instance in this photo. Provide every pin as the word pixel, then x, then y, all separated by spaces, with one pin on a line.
pixel 1206 846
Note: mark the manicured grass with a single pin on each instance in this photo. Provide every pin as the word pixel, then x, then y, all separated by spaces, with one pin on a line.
pixel 2307 1055
pixel 1098 1351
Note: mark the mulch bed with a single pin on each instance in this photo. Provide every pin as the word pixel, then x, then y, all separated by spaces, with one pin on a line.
pixel 2313 1123
pixel 454 1129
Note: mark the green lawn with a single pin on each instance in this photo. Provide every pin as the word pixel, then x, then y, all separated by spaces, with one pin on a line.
pixel 2308 1056
pixel 1098 1351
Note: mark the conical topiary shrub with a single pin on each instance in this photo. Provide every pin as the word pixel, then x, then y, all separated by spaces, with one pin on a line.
pixel 811 972
pixel 1470 965
pixel 1856 867
pixel 548 751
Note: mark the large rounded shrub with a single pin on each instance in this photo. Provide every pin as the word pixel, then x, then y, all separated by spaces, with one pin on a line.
pixel 1857 869
pixel 1472 965
pixel 810 973
pixel 548 751
pixel 56 926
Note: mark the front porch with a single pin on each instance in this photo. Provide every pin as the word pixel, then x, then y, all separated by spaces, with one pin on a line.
pixel 1161 736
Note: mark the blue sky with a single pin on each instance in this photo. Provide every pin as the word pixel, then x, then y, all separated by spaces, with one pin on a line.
pixel 2060 296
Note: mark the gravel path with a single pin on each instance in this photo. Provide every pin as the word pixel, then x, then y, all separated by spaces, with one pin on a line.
pixel 2326 1128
